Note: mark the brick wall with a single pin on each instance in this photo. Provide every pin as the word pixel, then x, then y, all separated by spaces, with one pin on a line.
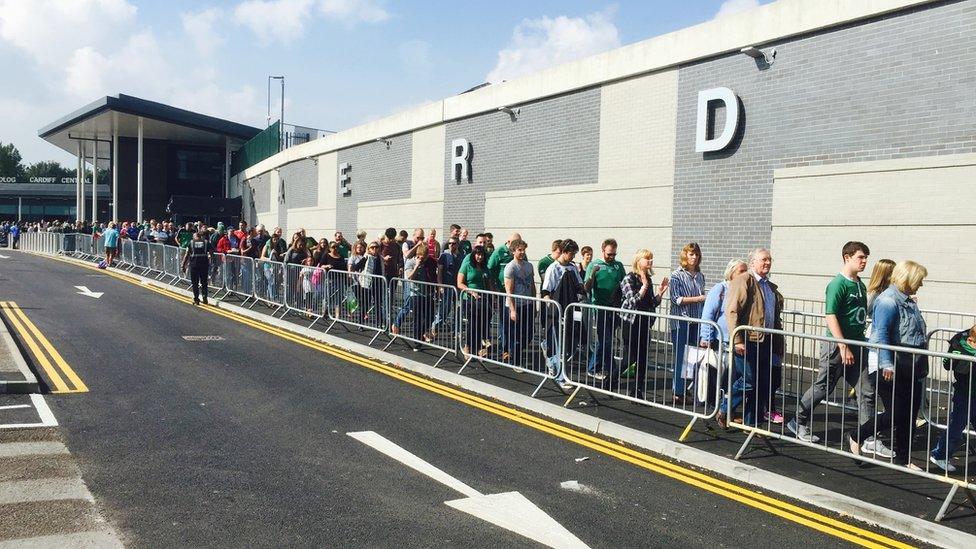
pixel 893 87
pixel 554 142
pixel 378 173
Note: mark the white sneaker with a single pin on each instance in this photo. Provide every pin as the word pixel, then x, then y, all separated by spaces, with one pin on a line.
pixel 597 375
pixel 802 432
pixel 876 447
pixel 943 464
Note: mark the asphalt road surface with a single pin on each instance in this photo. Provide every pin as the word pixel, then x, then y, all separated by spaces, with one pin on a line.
pixel 241 440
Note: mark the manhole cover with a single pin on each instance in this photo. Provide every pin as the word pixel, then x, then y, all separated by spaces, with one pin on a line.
pixel 203 338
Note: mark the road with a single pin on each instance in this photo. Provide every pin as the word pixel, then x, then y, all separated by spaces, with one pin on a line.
pixel 241 440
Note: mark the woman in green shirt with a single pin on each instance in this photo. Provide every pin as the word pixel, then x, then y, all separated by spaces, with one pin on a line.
pixel 474 276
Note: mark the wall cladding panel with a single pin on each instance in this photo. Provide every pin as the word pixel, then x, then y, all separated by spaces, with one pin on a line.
pixel 554 142
pixel 378 173
pixel 301 184
pixel 892 87
pixel 262 194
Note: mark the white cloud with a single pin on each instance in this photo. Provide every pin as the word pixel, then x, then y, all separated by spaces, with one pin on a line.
pixel 541 43
pixel 274 20
pixel 284 21
pixel 200 28
pixel 730 7
pixel 366 11
pixel 49 30
pixel 124 56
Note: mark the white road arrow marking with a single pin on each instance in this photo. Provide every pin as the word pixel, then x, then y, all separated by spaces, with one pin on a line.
pixel 4 257
pixel 89 293
pixel 510 510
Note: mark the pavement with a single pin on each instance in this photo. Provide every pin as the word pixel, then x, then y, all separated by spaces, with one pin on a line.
pixel 242 437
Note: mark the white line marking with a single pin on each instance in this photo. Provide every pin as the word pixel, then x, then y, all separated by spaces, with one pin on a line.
pixel 510 510
pixel 47 416
pixel 35 448
pixel 383 445
pixel 47 489
pixel 86 292
pixel 15 406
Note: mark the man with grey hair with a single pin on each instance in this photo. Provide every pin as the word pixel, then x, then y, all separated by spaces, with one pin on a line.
pixel 753 300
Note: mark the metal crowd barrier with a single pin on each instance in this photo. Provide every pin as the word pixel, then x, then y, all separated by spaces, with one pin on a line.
pixel 304 287
pixel 615 352
pixel 140 258
pixel 239 276
pixel 216 279
pixel 518 332
pixel 126 254
pixel 369 311
pixel 172 263
pixel 269 282
pixel 155 264
pixel 414 306
pixel 891 439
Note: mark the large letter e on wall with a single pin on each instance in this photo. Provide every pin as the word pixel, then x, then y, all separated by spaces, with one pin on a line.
pixel 705 140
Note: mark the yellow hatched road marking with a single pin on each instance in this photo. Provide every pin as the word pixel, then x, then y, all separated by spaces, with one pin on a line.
pixel 32 333
pixel 751 498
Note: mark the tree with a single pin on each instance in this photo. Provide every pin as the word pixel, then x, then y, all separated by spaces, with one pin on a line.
pixel 50 169
pixel 10 161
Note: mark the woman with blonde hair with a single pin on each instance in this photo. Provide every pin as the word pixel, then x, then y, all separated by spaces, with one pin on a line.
pixel 687 286
pixel 900 375
pixel 639 295
pixel 880 279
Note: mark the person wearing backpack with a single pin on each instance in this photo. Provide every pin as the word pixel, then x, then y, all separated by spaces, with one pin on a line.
pixel 562 284
pixel 962 411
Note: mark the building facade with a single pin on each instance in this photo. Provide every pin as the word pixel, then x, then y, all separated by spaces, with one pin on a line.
pixel 830 121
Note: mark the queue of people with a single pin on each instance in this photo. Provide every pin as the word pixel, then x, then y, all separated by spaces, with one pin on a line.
pixel 746 306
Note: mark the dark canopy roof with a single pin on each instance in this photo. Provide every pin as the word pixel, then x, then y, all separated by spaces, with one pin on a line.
pixel 97 120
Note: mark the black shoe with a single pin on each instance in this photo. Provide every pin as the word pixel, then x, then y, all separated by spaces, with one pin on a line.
pixel 205 301
pixel 196 301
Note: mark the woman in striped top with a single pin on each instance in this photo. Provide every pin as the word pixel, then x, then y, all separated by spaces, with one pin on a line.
pixel 687 286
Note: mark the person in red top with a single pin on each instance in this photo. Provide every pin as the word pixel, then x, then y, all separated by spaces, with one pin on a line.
pixel 241 234
pixel 223 244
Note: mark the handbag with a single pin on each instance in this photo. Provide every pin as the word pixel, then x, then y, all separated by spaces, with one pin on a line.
pixel 694 356
pixel 709 361
pixel 351 302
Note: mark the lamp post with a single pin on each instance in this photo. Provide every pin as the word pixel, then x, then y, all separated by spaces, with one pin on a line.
pixel 282 79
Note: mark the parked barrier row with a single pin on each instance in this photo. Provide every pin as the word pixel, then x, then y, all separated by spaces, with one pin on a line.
pixel 633 355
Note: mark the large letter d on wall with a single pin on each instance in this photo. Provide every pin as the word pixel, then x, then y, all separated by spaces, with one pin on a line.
pixel 731 103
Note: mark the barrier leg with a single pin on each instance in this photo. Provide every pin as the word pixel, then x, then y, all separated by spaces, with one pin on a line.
pixel 539 387
pixel 334 323
pixel 745 444
pixel 374 337
pixel 572 396
pixel 392 339
pixel 684 434
pixel 466 362
pixel 318 318
pixel 443 356
pixel 944 510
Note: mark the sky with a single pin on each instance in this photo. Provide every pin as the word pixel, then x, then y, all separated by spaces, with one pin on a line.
pixel 345 62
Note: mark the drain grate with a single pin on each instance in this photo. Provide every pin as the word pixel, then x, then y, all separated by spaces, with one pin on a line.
pixel 203 338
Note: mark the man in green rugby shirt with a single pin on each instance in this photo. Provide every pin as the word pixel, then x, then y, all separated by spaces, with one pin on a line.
pixel 602 281
pixel 846 309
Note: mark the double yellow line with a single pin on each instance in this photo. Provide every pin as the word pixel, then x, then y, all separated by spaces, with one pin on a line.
pixel 65 379
pixel 751 498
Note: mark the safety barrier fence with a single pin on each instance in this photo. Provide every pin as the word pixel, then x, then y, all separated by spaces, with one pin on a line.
pixel 239 276
pixel 269 284
pixel 359 300
pixel 648 354
pixel 305 291
pixel 518 332
pixel 615 352
pixel 887 435
pixel 414 307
